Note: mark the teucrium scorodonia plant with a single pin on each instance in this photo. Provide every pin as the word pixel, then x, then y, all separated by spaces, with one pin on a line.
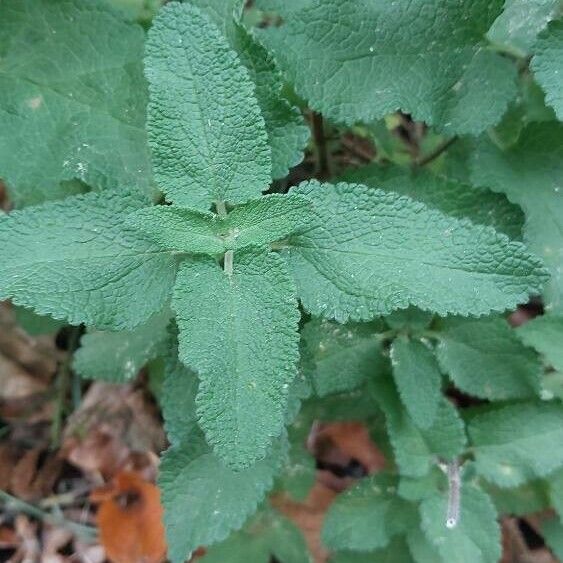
pixel 231 271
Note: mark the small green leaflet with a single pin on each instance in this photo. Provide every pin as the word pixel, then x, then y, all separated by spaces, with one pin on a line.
pixel 366 516
pixel 118 356
pixel 416 449
pixel 34 324
pixel 256 223
pixel 552 531
pixel 518 443
pixel 547 65
pixel 411 320
pixel 457 199
pixel 476 538
pixel 418 379
pixel 517 27
pixel 267 536
pixel 396 552
pixel 206 131
pixel 357 61
pixel 545 334
pixel 338 357
pixel 370 252
pixel 74 260
pixel 485 358
pixel 530 173
pixel 178 394
pixel 239 333
pixel 519 501
pixel 203 499
pixel 556 492
pixel 72 86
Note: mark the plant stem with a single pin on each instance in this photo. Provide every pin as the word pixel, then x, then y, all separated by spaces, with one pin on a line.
pixel 62 387
pixel 53 519
pixel 228 262
pixel 323 160
pixel 433 155
pixel 221 208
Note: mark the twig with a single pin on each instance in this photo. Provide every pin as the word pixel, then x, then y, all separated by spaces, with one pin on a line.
pixel 323 160
pixel 357 150
pixel 62 387
pixel 17 504
pixel 433 155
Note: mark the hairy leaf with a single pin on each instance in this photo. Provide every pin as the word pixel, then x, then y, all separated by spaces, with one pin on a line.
pixel 204 500
pixel 476 538
pixel 239 332
pixel 75 260
pixel 72 86
pixel 205 128
pixel 530 173
pixel 370 252
pixel 547 65
pixel 366 516
pixel 545 334
pixel 518 443
pixel 118 356
pixel 358 61
pixel 485 358
pixel 418 380
pixel 339 358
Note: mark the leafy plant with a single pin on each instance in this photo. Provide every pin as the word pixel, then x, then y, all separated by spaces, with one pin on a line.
pixel 386 279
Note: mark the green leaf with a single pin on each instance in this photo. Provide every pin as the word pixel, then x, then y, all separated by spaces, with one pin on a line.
pixel 418 379
pixel 204 500
pixel 517 27
pixel 420 547
pixel 366 516
pixel 287 132
pixel 409 320
pixel 74 260
pixel 358 60
pixel 556 492
pixel 268 535
pixel 530 174
pixel 339 358
pixel 449 196
pixel 518 443
pixel 547 65
pixel 476 538
pixel 178 396
pixel 370 252
pixel 485 358
pixel 118 356
pixel 239 333
pixel 36 325
pixel 205 128
pixel 519 501
pixel 72 86
pixel 552 531
pixel 396 552
pixel 545 334
pixel 416 449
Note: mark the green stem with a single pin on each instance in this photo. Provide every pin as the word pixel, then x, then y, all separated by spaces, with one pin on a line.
pixel 221 208
pixel 433 155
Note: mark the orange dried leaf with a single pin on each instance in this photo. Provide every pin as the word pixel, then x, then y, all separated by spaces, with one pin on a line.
pixel 130 520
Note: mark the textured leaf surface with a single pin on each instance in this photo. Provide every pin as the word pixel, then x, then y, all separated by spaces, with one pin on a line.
pixel 239 333
pixel 417 449
pixel 485 358
pixel 74 260
pixel 545 334
pixel 285 126
pixel 178 395
pixel 396 551
pixel 206 131
pixel 72 86
pixel 204 500
pixel 118 356
pixel 34 324
pixel 418 379
pixel 459 200
pixel 370 252
pixel 268 535
pixel 366 516
pixel 518 443
pixel 530 173
pixel 339 358
pixel 358 61
pixel 517 27
pixel 547 65
pixel 476 538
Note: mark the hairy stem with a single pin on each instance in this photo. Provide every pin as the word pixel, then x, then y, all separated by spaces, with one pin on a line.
pixel 221 208
pixel 228 262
